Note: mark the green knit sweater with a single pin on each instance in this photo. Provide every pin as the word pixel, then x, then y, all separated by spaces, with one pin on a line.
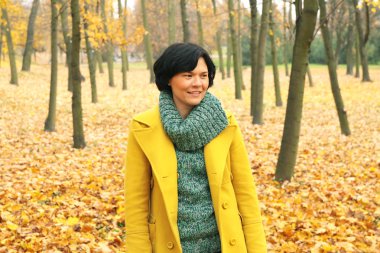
pixel 196 219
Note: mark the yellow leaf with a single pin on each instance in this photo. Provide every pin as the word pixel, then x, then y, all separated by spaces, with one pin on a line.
pixel 12 226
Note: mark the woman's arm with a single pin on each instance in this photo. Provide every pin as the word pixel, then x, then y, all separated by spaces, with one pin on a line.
pixel 246 195
pixel 137 194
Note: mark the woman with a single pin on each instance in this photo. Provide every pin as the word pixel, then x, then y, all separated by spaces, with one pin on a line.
pixel 188 183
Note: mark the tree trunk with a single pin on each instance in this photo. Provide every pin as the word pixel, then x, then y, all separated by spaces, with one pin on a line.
pixel 109 46
pixel 90 58
pixel 254 49
pixel 185 22
pixel 276 78
pixel 305 26
pixel 259 85
pixel 285 39
pixel 171 21
pixel 344 126
pixel 357 56
pixel 240 54
pixel 340 27
pixel 27 57
pixel 67 39
pixel 123 47
pixel 350 42
pixel 229 54
pixel 51 118
pixel 147 42
pixel 235 51
pixel 218 38
pixel 78 135
pixel 309 76
pixel 199 24
pixel 362 50
pixel 11 51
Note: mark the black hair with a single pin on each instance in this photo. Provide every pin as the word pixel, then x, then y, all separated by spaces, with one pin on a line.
pixel 179 58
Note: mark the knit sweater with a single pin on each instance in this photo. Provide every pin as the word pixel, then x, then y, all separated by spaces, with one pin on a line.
pixel 196 218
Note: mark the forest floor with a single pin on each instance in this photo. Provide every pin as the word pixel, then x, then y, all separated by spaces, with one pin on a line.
pixel 54 198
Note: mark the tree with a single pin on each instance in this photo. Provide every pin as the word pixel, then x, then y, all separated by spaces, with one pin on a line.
pixel 109 46
pixel 235 52
pixel 199 22
pixel 90 57
pixel 124 56
pixel 344 126
pixel 259 78
pixel 27 57
pixel 78 135
pixel 229 54
pixel 218 39
pixel 350 42
pixel 51 118
pixel 285 40
pixel 304 35
pixel 274 56
pixel 362 42
pixel 254 49
pixel 171 21
pixel 11 51
pixel 185 22
pixel 67 38
pixel 147 42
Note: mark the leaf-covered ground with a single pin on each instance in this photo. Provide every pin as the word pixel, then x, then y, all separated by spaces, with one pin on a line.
pixel 54 198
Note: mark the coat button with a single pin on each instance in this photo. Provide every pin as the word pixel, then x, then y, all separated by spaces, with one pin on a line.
pixel 170 245
pixel 232 242
pixel 225 205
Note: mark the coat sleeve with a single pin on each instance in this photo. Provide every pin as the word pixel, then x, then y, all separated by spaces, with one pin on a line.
pixel 137 194
pixel 246 195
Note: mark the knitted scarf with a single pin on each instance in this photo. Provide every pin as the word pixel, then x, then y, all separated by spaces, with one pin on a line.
pixel 203 124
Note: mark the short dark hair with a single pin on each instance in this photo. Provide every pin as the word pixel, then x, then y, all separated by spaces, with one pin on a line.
pixel 178 58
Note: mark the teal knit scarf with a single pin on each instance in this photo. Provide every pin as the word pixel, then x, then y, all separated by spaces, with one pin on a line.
pixel 204 123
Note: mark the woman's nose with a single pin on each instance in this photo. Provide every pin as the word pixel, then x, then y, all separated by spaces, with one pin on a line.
pixel 197 81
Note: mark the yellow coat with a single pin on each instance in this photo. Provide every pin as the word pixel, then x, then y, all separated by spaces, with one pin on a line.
pixel 151 196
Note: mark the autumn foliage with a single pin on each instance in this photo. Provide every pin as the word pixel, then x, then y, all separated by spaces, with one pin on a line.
pixel 54 198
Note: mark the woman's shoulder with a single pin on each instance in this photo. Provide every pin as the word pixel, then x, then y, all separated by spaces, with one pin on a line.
pixel 149 117
pixel 230 117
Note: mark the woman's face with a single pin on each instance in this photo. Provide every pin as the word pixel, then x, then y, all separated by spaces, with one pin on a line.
pixel 189 88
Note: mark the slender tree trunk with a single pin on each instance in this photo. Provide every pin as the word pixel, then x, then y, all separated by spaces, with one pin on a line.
pixel 109 46
pixel 78 135
pixel 218 38
pixel 125 32
pixel 185 22
pixel 350 41
pixel 309 76
pixel 357 56
pixel 285 39
pixel 229 54
pixel 51 118
pixel 171 21
pixel 147 42
pixel 123 48
pixel 235 51
pixel 67 39
pixel 199 23
pixel 339 32
pixel 259 91
pixel 254 49
pixel 289 146
pixel 240 54
pixel 362 50
pixel 27 57
pixel 344 126
pixel 98 55
pixel 90 58
pixel 11 51
pixel 276 78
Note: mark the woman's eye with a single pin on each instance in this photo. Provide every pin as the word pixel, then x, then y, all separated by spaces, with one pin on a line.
pixel 187 76
pixel 204 76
